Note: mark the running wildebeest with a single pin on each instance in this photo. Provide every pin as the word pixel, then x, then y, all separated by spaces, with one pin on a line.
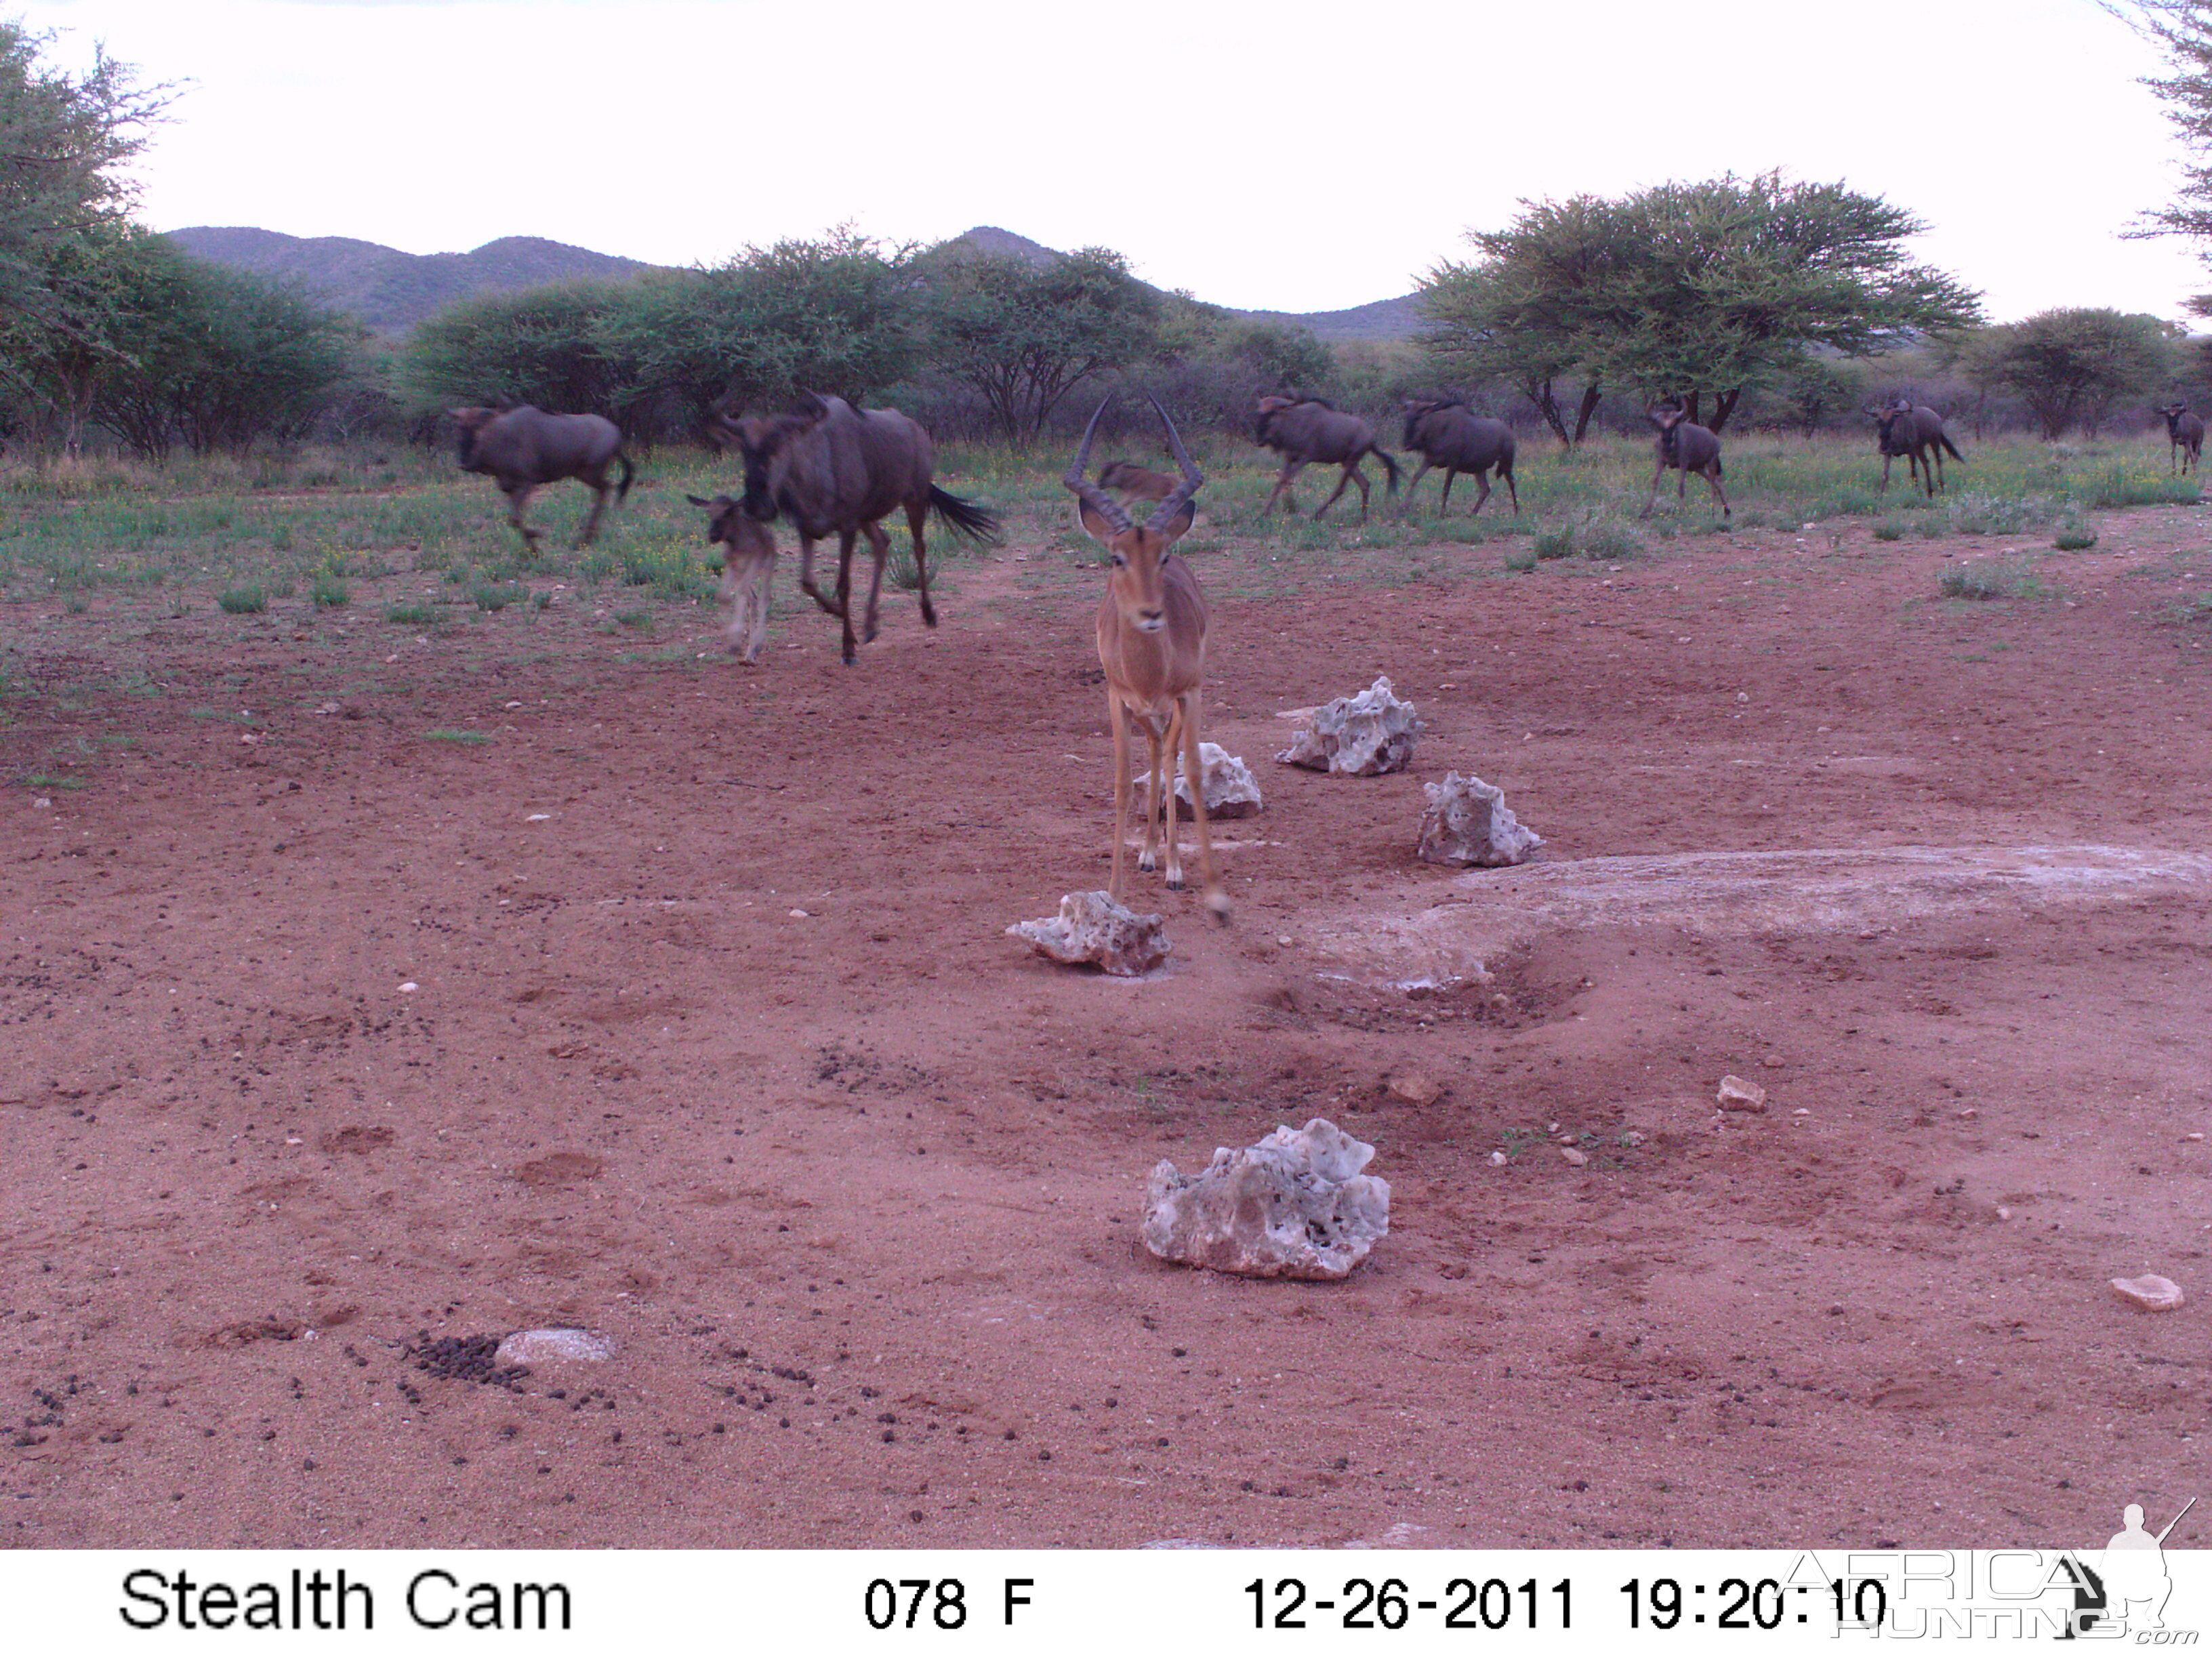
pixel 2185 436
pixel 1690 448
pixel 523 448
pixel 748 572
pixel 1137 483
pixel 834 470
pixel 1308 429
pixel 1915 432
pixel 1452 435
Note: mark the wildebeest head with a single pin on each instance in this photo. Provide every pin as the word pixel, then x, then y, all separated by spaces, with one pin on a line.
pixel 1271 407
pixel 468 425
pixel 2173 412
pixel 1420 409
pixel 1136 583
pixel 765 442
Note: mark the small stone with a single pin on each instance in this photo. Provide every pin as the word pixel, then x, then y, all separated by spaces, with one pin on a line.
pixel 2004 1214
pixel 553 1345
pixel 1631 1137
pixel 408 987
pixel 1364 735
pixel 1294 1205
pixel 1773 1062
pixel 1738 1096
pixel 2192 1137
pixel 1467 822
pixel 1415 1090
pixel 1498 1159
pixel 2150 1292
pixel 1091 928
pixel 1574 1155
pixel 42 800
pixel 1967 1111
pixel 801 914
pixel 538 817
pixel 1283 939
pixel 1743 696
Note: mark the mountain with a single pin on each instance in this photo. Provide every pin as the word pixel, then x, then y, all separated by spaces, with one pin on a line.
pixel 390 290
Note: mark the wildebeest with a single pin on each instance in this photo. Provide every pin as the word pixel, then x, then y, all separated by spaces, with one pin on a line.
pixel 834 470
pixel 1152 643
pixel 1452 435
pixel 1915 432
pixel 522 448
pixel 1308 429
pixel 2185 436
pixel 748 572
pixel 1690 448
pixel 1137 483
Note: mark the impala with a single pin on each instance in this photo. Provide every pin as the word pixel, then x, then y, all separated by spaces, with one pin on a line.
pixel 1152 643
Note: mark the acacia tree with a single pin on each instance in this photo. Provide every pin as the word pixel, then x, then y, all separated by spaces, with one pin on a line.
pixel 1023 336
pixel 2070 366
pixel 1690 289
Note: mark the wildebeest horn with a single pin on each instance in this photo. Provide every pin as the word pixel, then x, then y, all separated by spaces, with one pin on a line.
pixel 1192 477
pixel 1088 493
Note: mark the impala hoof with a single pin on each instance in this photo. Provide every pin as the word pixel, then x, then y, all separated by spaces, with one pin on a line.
pixel 1174 882
pixel 1146 862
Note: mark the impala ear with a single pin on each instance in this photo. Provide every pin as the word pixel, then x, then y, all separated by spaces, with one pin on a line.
pixel 1172 530
pixel 1093 522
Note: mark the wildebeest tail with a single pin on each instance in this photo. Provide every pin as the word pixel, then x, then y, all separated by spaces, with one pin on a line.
pixel 1944 440
pixel 978 523
pixel 622 484
pixel 1388 465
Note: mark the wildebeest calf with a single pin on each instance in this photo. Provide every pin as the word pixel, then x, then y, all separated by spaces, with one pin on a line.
pixel 1915 432
pixel 748 572
pixel 1690 447
pixel 1137 483
pixel 2185 435
pixel 1449 435
pixel 522 448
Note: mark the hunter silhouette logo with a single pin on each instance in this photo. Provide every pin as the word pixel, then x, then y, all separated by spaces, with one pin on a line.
pixel 2135 1584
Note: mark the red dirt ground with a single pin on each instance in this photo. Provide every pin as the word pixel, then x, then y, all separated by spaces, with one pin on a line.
pixel 855 1191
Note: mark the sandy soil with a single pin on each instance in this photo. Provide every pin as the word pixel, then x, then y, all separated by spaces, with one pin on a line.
pixel 717 1046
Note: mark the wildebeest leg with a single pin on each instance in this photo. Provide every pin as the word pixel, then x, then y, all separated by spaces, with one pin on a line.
pixel 1415 483
pixel 1935 455
pixel 1351 472
pixel 915 518
pixel 745 586
pixel 1291 469
pixel 1712 483
pixel 1511 489
pixel 845 540
pixel 1658 471
pixel 1885 458
pixel 1444 505
pixel 1481 483
pixel 835 607
pixel 879 544
pixel 599 488
pixel 518 497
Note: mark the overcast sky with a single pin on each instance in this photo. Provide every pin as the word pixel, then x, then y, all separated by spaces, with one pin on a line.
pixel 1283 157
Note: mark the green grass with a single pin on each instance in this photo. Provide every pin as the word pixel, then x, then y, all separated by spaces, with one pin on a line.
pixel 412 616
pixel 1992 579
pixel 329 593
pixel 248 601
pixel 449 734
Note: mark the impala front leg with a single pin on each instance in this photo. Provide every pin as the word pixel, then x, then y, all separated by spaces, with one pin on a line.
pixel 1172 748
pixel 1119 722
pixel 1148 858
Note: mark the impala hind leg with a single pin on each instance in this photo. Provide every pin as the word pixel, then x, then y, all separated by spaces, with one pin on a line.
pixel 1169 753
pixel 916 517
pixel 880 544
pixel 1217 897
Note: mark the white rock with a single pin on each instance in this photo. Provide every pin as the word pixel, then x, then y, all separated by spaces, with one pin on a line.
pixel 408 987
pixel 2150 1292
pixel 1574 1155
pixel 1295 1205
pixel 1365 735
pixel 1231 791
pixel 552 1345
pixel 1091 928
pixel 1468 821
pixel 1738 1096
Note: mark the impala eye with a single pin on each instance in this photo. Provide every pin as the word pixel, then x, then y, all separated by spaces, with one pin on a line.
pixel 1120 562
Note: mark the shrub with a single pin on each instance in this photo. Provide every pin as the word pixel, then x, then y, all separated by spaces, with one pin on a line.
pixel 497 595
pixel 329 593
pixel 244 601
pixel 412 616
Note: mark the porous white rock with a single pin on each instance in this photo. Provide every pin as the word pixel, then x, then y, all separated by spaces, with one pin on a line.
pixel 1091 928
pixel 1231 791
pixel 1295 1205
pixel 2150 1292
pixel 552 1345
pixel 1738 1096
pixel 1364 735
pixel 1468 821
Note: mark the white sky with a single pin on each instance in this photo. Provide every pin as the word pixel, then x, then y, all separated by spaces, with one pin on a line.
pixel 1287 156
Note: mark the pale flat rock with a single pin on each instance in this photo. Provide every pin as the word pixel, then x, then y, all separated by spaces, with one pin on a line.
pixel 2150 1292
pixel 1295 1205
pixel 1414 1088
pixel 1468 823
pixel 1365 735
pixel 1738 1096
pixel 1090 927
pixel 553 1345
pixel 1231 791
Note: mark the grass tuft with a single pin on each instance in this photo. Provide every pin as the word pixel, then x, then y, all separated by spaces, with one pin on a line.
pixel 247 601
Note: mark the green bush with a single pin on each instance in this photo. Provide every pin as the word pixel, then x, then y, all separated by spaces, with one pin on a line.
pixel 244 601
pixel 497 595
pixel 412 616
pixel 329 593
